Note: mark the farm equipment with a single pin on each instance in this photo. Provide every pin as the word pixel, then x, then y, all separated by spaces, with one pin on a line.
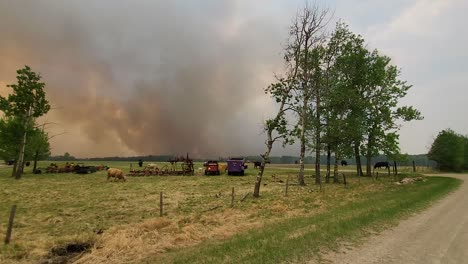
pixel 80 168
pixel 236 166
pixel 185 167
pixel 211 167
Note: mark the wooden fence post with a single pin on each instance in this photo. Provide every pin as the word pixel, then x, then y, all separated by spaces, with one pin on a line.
pixel 232 198
pixel 10 224
pixel 161 204
pixel 287 185
pixel 344 180
pixel 414 167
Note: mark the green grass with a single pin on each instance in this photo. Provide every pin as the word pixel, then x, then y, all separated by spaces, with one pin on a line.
pixel 300 239
pixel 56 209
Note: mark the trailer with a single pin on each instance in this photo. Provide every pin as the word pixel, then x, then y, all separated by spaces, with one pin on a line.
pixel 236 166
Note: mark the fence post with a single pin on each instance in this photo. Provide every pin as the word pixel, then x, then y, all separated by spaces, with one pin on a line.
pixel 414 167
pixel 287 185
pixel 10 224
pixel 161 204
pixel 232 198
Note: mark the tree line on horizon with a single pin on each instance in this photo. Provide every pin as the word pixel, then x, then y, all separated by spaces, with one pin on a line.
pixel 405 160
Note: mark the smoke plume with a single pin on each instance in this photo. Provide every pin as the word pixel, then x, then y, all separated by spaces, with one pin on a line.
pixel 147 77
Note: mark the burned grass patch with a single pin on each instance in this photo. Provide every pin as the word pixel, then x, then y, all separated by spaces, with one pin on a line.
pixel 67 253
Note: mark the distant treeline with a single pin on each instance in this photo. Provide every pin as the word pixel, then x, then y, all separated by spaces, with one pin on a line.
pixel 406 160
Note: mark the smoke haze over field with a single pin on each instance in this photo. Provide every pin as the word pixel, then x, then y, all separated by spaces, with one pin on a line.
pixel 154 77
pixel 144 78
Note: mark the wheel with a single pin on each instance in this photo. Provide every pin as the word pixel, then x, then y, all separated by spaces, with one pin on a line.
pixel 242 173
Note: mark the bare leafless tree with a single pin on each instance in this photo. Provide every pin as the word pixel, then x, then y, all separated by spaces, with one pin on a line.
pixel 307 35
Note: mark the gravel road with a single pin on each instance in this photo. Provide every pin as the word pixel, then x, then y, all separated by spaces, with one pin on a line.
pixel 437 235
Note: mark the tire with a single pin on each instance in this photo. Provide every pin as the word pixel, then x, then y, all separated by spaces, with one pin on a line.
pixel 242 173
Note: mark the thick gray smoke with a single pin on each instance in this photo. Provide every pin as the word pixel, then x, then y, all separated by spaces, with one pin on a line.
pixel 147 77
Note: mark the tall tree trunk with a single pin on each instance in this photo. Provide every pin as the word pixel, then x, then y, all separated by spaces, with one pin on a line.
pixel 36 155
pixel 328 163
pixel 358 159
pixel 303 144
pixel 318 179
pixel 265 157
pixel 269 143
pixel 15 165
pixel 369 155
pixel 335 169
pixel 19 169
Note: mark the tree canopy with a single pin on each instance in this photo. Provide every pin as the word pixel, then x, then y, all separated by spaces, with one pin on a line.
pixel 450 151
pixel 23 105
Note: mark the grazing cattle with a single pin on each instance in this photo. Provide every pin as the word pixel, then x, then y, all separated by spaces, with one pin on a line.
pixel 117 174
pixel 222 167
pixel 381 164
pixel 152 166
pixel 257 164
pixel 344 163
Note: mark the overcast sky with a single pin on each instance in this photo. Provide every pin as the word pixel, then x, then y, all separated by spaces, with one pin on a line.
pixel 169 77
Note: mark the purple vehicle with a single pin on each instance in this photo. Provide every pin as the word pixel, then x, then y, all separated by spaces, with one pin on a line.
pixel 236 166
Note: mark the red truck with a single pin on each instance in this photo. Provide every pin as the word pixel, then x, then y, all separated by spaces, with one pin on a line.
pixel 211 167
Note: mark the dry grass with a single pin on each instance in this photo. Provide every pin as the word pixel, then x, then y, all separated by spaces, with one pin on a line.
pixel 57 209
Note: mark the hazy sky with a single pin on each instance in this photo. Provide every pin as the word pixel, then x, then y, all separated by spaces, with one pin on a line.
pixel 169 77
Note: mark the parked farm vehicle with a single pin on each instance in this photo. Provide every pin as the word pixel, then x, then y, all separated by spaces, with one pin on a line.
pixel 211 167
pixel 178 166
pixel 80 168
pixel 236 166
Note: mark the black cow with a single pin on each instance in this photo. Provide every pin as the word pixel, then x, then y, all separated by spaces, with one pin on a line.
pixel 382 164
pixel 344 163
pixel 140 163
pixel 257 164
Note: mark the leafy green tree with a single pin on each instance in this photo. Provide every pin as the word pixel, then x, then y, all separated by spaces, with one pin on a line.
pixel 37 148
pixel 336 107
pixel 348 84
pixel 448 150
pixel 275 128
pixel 384 90
pixel 26 103
pixel 465 158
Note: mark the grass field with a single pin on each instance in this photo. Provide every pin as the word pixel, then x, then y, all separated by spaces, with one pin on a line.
pixel 121 220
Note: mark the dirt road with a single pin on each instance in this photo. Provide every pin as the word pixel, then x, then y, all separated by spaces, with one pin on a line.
pixel 437 235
